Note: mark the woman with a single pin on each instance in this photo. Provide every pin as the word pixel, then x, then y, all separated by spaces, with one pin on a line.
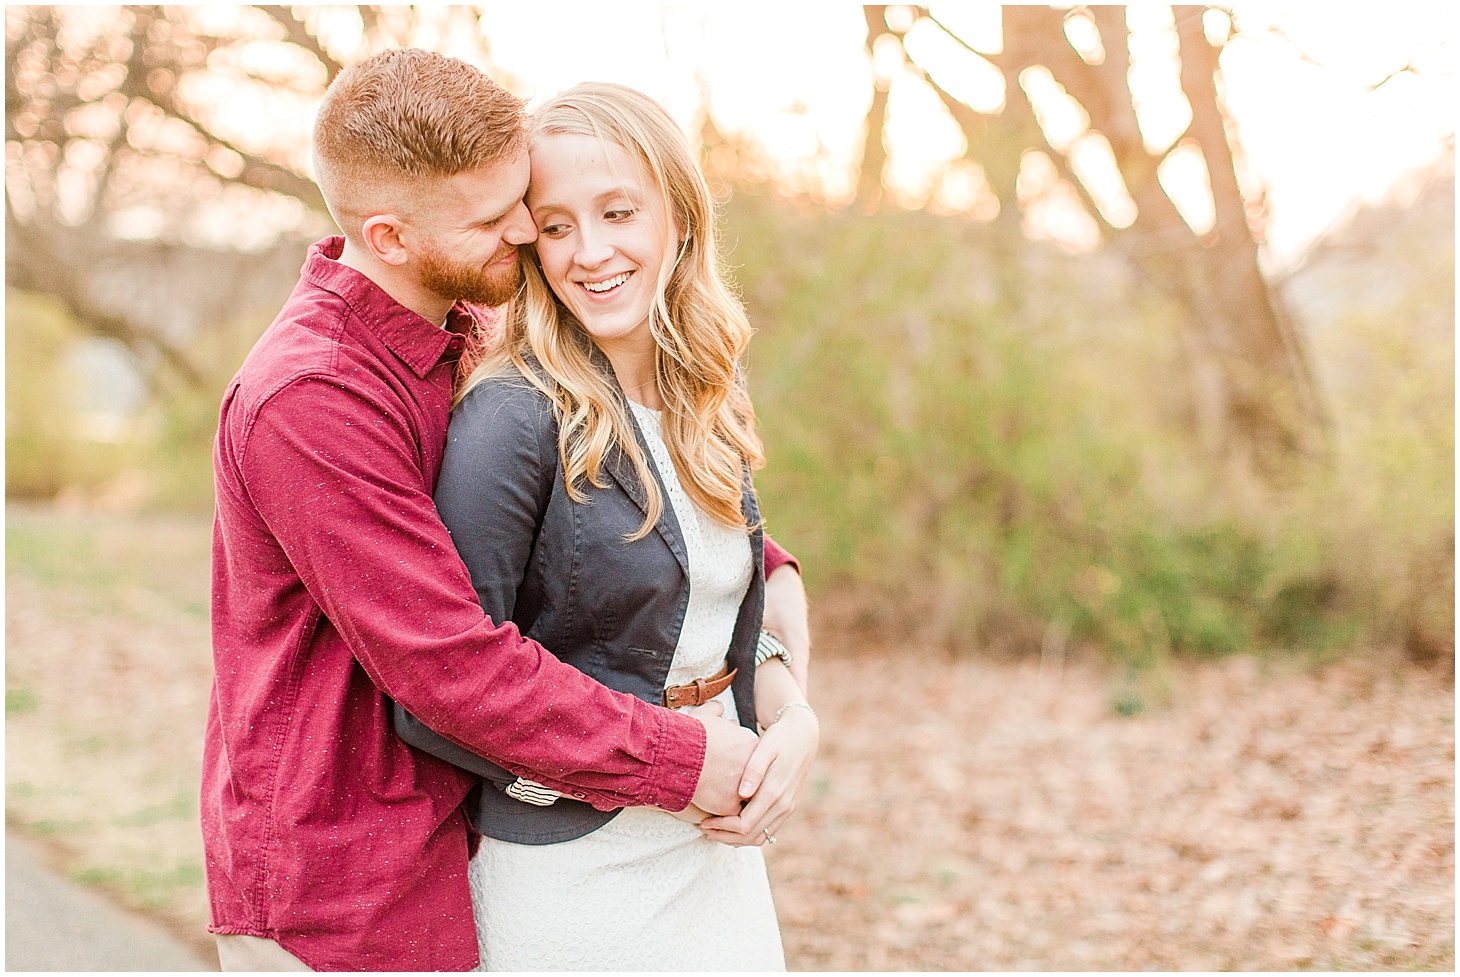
pixel 597 484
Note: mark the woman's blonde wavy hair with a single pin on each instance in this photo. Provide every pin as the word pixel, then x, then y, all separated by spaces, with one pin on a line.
pixel 699 327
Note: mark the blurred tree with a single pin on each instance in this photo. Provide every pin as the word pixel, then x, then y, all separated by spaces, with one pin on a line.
pixel 1254 395
pixel 156 156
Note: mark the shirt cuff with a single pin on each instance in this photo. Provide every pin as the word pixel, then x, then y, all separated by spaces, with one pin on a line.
pixel 678 762
pixel 775 557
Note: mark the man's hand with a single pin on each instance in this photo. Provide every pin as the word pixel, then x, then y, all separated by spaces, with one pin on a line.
pixel 773 780
pixel 785 617
pixel 690 815
pixel 728 747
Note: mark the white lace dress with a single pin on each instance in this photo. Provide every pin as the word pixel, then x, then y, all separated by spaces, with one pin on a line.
pixel 646 891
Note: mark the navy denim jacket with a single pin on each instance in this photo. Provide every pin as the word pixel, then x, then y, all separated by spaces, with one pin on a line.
pixel 562 572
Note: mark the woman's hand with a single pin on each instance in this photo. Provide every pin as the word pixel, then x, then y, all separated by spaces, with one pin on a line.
pixel 772 781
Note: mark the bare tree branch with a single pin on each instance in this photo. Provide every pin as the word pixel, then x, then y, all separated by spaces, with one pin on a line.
pixel 299 35
pixel 30 264
pixel 1408 69
pixel 152 295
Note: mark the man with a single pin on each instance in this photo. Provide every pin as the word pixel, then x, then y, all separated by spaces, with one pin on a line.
pixel 329 843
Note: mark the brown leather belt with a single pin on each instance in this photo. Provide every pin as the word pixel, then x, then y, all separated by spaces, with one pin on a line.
pixel 701 690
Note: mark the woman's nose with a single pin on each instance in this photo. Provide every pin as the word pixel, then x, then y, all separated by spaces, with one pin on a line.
pixel 592 251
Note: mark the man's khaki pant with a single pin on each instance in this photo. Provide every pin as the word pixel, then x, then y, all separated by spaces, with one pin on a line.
pixel 237 952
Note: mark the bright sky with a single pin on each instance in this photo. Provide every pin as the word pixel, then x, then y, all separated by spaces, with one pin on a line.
pixel 1300 82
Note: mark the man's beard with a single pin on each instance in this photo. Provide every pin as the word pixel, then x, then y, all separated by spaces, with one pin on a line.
pixel 467 282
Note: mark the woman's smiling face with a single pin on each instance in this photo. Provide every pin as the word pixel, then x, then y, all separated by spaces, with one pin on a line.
pixel 603 232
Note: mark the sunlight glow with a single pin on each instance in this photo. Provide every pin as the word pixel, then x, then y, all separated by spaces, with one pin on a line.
pixel 1314 137
pixel 1062 119
pixel 887 59
pixel 1058 217
pixel 963 189
pixel 138 223
pixel 1084 36
pixel 899 17
pixel 1216 24
pixel 1330 108
pixel 1183 175
pixel 1094 163
pixel 914 112
pixel 1162 111
pixel 964 75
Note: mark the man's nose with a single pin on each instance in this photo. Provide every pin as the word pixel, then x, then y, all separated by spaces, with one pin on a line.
pixel 520 228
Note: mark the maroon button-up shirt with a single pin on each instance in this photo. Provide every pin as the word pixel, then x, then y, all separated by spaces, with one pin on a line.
pixel 335 585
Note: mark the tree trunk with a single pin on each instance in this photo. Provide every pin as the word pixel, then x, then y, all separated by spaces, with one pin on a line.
pixel 874 153
pixel 1272 399
pixel 1253 393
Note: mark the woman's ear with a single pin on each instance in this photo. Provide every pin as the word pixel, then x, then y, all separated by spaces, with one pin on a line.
pixel 382 236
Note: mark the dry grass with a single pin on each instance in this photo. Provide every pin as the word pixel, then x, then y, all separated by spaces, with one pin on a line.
pixel 963 815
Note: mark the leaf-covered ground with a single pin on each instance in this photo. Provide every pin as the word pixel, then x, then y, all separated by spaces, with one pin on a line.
pixel 962 816
pixel 981 816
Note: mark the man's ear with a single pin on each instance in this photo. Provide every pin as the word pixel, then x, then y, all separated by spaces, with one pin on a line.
pixel 382 237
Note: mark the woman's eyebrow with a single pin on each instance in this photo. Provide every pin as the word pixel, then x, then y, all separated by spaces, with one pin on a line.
pixel 600 198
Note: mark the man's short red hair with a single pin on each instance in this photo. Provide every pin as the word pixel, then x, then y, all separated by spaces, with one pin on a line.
pixel 403 117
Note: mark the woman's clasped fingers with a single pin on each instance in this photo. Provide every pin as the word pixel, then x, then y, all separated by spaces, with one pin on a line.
pixel 767 809
pixel 775 772
pixel 755 825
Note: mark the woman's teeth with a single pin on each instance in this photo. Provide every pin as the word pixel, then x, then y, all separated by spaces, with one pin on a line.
pixel 608 284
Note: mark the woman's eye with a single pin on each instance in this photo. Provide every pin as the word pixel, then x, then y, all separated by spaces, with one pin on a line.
pixel 619 215
pixel 552 230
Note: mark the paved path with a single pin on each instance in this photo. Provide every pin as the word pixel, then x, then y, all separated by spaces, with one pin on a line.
pixel 51 924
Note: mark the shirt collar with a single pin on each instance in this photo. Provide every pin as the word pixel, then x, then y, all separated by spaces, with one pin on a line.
pixel 419 343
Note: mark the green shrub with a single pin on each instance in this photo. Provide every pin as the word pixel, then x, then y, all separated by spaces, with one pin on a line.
pixel 182 454
pixel 44 449
pixel 169 447
pixel 978 443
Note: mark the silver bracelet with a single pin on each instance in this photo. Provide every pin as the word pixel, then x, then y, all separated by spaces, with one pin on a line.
pixel 797 702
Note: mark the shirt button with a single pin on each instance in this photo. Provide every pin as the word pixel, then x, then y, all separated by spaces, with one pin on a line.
pixel 454 344
pixel 579 794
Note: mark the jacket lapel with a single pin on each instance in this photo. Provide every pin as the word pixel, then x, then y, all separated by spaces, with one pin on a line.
pixel 751 509
pixel 622 470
